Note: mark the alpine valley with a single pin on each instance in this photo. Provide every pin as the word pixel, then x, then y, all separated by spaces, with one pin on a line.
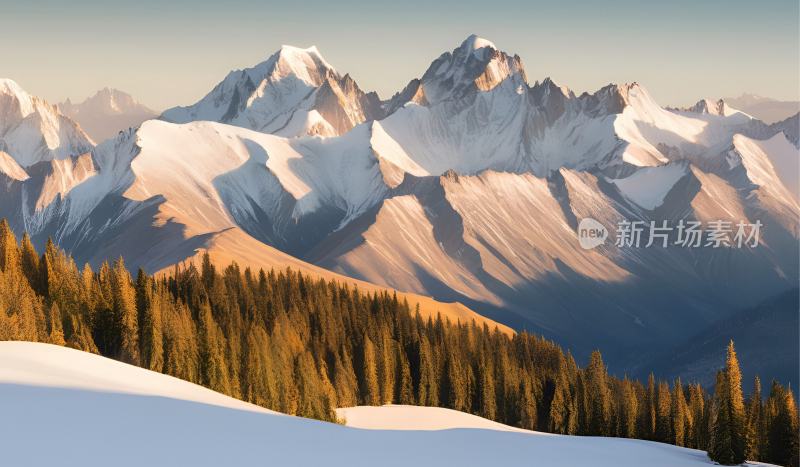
pixel 466 186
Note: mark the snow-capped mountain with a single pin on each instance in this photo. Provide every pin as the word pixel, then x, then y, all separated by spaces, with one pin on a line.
pixel 293 93
pixel 106 113
pixel 31 130
pixel 468 185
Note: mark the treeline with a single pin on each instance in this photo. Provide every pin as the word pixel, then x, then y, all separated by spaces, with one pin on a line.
pixel 302 346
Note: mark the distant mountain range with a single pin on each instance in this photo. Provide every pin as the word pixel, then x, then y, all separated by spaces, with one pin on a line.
pixel 467 185
pixel 106 113
pixel 764 108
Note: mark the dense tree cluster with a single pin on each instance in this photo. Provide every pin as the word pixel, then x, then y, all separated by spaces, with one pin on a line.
pixel 302 346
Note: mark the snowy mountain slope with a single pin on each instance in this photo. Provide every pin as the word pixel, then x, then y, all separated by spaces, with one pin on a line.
pixel 277 189
pixel 171 422
pixel 165 193
pixel 106 113
pixel 31 130
pixel 505 244
pixel 10 169
pixel 649 186
pixel 768 161
pixel 295 92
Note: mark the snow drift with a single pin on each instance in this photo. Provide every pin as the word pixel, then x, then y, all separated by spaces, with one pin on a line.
pixel 93 411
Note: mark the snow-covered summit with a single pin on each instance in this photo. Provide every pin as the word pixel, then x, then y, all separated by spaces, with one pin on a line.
pixel 32 130
pixel 474 43
pixel 10 89
pixel 302 60
pixel 475 66
pixel 295 92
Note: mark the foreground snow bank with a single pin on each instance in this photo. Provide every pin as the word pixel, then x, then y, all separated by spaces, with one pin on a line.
pixel 410 417
pixel 64 407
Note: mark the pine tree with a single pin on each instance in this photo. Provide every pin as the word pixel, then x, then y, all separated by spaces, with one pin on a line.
pixel 663 412
pixel 386 368
pixel 720 445
pixel 651 411
pixel 55 326
pixel 151 329
pixel 736 401
pixel 698 429
pixel 488 401
pixel 527 401
pixel 124 312
pixel 454 394
pixel 345 381
pixel 213 369
pixel 428 388
pixel 259 386
pixel 599 396
pixel 729 432
pixel 630 410
pixel 9 250
pixel 405 387
pixel 370 392
pixel 680 415
pixel 755 428
pixel 30 262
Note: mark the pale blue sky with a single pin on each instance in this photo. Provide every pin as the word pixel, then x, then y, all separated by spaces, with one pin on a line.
pixel 167 53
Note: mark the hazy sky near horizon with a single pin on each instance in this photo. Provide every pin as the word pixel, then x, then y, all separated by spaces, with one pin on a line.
pixel 168 53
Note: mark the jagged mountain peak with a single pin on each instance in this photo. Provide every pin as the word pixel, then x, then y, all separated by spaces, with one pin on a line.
pixel 713 108
pixel 295 92
pixel 9 86
pixel 33 130
pixel 474 66
pixel 547 87
pixel 615 97
pixel 306 64
pixel 12 90
pixel 719 108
